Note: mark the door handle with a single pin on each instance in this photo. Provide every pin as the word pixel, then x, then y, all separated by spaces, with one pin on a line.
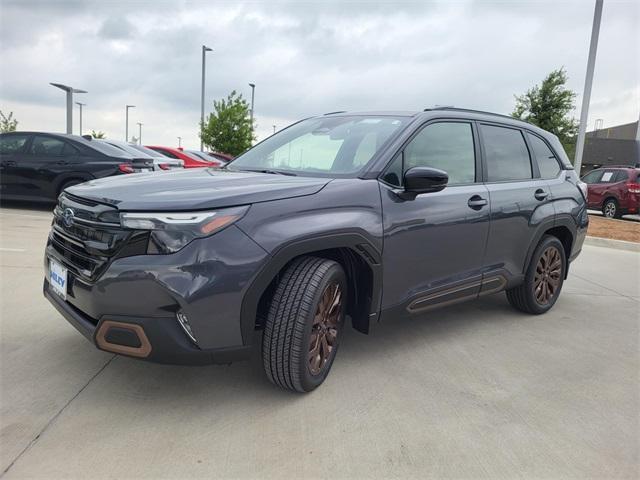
pixel 8 163
pixel 477 202
pixel 540 194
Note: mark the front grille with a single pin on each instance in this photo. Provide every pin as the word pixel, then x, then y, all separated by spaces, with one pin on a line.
pixel 88 238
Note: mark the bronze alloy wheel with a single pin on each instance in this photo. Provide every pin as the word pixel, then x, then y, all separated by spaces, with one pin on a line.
pixel 548 275
pixel 324 331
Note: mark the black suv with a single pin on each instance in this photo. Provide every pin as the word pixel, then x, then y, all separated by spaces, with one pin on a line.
pixel 38 166
pixel 363 215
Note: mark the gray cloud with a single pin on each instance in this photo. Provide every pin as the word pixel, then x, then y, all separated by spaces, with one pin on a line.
pixel 305 57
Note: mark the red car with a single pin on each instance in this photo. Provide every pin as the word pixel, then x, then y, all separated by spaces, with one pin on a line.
pixel 614 190
pixel 190 160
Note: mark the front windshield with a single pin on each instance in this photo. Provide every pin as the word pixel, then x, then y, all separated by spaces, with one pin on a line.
pixel 325 145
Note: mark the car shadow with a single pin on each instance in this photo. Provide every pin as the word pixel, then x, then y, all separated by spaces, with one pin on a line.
pixel 244 384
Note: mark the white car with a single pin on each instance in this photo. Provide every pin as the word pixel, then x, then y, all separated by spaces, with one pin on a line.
pixel 160 162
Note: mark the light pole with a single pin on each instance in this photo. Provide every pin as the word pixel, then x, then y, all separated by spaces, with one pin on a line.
pixel 126 127
pixel 70 91
pixel 253 91
pixel 80 104
pixel 179 142
pixel 588 81
pixel 205 49
pixel 140 133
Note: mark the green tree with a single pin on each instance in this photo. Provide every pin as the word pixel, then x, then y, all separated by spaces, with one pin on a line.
pixel 228 129
pixel 7 123
pixel 548 106
pixel 98 134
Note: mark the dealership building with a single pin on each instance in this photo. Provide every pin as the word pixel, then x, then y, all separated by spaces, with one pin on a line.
pixel 619 145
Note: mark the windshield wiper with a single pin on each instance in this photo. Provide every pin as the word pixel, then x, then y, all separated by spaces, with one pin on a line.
pixel 267 170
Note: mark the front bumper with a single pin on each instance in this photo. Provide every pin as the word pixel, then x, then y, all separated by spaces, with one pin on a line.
pixel 140 296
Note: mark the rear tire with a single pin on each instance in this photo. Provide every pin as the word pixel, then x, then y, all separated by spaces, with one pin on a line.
pixel 543 280
pixel 610 209
pixel 304 323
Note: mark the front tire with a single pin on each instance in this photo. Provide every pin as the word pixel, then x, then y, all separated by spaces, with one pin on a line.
pixel 543 280
pixel 304 323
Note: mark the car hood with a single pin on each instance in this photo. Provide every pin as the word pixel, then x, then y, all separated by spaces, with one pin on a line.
pixel 194 189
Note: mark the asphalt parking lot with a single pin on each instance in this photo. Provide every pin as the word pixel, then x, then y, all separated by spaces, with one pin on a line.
pixel 472 391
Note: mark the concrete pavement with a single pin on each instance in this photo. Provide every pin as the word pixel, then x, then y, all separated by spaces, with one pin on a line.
pixel 475 391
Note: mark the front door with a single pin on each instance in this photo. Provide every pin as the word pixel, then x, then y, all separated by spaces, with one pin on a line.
pixel 434 244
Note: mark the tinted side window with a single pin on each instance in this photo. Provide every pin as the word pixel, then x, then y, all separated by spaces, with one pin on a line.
pixel 12 143
pixel 47 146
pixel 506 154
pixel 592 177
pixel 167 154
pixel 547 163
pixel 447 146
pixel 609 176
pixel 622 176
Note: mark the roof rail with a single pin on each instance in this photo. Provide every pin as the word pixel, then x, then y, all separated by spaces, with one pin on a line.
pixel 468 110
pixel 339 111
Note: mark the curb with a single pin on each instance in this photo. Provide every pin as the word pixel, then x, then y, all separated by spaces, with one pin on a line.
pixel 617 244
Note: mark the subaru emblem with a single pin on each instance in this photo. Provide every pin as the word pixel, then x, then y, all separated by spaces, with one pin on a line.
pixel 67 217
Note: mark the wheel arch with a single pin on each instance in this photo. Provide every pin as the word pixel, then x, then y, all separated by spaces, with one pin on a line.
pixel 360 260
pixel 563 227
pixel 69 177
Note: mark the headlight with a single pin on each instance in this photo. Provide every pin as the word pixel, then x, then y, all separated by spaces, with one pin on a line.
pixel 169 232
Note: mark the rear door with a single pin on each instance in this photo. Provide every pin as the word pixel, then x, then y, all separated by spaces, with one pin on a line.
pixel 520 199
pixel 47 160
pixel 602 189
pixel 12 151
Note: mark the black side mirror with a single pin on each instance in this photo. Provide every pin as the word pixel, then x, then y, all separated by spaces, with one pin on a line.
pixel 419 180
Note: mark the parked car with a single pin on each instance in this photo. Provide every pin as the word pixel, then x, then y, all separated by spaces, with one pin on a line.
pixel 360 216
pixel 614 190
pixel 207 157
pixel 190 161
pixel 37 166
pixel 225 157
pixel 160 162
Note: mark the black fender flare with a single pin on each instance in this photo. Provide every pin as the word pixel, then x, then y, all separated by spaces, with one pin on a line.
pixel 353 241
pixel 560 220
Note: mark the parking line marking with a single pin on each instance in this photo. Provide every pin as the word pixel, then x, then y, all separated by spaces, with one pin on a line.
pixel 5 249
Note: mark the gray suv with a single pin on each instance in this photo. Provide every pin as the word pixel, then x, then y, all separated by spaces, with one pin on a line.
pixel 358 216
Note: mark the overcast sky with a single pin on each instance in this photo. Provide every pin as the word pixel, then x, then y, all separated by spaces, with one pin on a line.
pixel 305 58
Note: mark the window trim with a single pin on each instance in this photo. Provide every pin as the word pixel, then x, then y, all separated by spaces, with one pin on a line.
pixel 535 174
pixel 476 151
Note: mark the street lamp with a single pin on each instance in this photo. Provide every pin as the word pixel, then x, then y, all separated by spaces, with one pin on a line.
pixel 179 142
pixel 253 91
pixel 205 49
pixel 140 133
pixel 80 104
pixel 126 127
pixel 588 81
pixel 70 91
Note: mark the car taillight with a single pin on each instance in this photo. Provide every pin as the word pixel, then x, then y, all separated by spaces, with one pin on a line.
pixel 165 166
pixel 126 168
pixel 583 188
pixel 633 187
pixel 214 163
